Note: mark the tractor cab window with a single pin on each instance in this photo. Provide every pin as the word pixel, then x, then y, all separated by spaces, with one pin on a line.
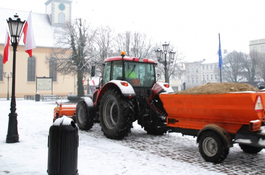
pixel 117 70
pixel 140 73
pixel 106 77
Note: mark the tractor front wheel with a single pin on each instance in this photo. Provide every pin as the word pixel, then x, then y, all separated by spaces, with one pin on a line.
pixel 84 118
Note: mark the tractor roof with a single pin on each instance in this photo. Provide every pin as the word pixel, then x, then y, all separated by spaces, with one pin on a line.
pixel 119 58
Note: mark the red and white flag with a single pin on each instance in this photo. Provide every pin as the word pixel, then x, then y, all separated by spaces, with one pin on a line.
pixel 29 40
pixel 6 48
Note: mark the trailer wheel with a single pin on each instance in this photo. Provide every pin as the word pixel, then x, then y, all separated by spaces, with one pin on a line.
pixel 155 130
pixel 115 115
pixel 84 119
pixel 212 147
pixel 250 149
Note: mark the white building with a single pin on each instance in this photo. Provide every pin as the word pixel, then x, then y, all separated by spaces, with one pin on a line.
pixel 204 71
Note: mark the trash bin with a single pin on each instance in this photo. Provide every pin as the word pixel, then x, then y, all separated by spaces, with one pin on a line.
pixel 63 143
pixel 37 97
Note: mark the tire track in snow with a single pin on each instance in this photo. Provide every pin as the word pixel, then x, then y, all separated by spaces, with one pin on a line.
pixel 185 149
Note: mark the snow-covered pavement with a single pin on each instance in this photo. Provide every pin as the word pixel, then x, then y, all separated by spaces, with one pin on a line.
pixel 139 153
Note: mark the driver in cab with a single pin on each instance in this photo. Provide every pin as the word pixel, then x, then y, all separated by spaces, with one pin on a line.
pixel 131 76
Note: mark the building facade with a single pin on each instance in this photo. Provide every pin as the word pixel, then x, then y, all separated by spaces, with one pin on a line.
pixel 29 69
pixel 257 45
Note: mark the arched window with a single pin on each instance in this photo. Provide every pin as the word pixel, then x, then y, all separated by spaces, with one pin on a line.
pixel 31 68
pixel 61 18
pixel 1 68
pixel 53 69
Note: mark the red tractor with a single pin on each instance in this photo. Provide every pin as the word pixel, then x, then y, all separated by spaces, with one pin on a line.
pixel 127 92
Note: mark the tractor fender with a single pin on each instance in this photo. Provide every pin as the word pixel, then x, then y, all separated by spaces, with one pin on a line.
pixel 125 87
pixel 166 89
pixel 88 101
pixel 160 88
pixel 220 131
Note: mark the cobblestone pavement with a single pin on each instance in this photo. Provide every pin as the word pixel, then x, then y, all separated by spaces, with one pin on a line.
pixel 185 149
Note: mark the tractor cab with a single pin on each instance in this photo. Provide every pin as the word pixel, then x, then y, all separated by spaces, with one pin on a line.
pixel 138 72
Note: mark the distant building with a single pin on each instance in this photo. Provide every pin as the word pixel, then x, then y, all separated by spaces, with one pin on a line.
pixel 193 73
pixel 204 71
pixel 29 68
pixel 257 45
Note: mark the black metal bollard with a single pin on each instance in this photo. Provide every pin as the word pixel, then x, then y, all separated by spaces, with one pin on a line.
pixel 63 143
pixel 37 97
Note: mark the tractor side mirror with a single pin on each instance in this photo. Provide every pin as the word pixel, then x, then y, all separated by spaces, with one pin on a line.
pixel 93 71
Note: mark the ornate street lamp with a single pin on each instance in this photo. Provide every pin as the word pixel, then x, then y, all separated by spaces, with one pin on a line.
pixel 15 27
pixel 7 76
pixel 159 55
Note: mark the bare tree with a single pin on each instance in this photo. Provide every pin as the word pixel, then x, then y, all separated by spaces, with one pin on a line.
pixel 232 67
pixel 104 45
pixel 250 65
pixel 135 44
pixel 260 64
pixel 73 51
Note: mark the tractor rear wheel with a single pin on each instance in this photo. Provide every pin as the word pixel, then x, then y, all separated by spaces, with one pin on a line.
pixel 115 115
pixel 84 118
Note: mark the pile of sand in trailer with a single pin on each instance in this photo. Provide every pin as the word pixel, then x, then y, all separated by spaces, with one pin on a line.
pixel 219 88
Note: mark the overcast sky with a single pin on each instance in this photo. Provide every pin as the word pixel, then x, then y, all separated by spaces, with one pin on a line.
pixel 192 26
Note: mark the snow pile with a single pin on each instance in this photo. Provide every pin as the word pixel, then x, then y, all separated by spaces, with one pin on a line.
pixel 63 121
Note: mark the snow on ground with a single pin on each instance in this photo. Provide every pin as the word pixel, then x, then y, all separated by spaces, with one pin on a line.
pixel 139 153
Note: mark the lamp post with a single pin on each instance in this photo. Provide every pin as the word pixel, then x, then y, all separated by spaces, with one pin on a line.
pixel 7 76
pixel 165 62
pixel 15 27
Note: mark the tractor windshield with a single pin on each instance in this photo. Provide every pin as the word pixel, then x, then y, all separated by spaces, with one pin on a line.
pixel 140 73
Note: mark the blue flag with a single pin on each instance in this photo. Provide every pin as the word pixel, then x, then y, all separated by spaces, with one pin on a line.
pixel 220 54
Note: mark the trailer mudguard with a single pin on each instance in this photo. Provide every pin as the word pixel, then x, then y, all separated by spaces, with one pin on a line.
pixel 220 131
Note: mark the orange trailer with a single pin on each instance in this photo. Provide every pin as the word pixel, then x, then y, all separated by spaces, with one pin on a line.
pixel 218 121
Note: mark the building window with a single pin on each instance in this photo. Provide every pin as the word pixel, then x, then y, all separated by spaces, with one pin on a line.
pixel 53 69
pixel 1 68
pixel 31 68
pixel 203 77
pixel 254 49
pixel 211 66
pixel 207 77
pixel 262 48
pixel 61 18
pixel 211 77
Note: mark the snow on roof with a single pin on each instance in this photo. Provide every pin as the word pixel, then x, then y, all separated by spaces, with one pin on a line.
pixel 43 30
